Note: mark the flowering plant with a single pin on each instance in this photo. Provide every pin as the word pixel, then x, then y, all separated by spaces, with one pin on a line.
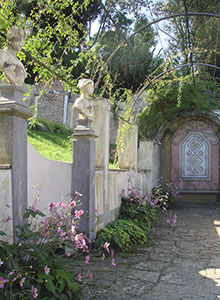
pixel 36 267
pixel 137 206
pixel 165 195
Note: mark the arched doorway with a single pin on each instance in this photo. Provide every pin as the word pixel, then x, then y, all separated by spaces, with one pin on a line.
pixel 190 157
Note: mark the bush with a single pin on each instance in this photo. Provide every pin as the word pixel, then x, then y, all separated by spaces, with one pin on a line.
pixel 137 207
pixel 34 268
pixel 135 221
pixel 121 234
pixel 50 126
pixel 165 195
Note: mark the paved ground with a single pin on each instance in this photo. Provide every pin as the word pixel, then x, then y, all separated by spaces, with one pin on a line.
pixel 177 264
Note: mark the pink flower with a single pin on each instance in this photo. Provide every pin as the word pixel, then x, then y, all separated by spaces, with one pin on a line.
pixel 34 292
pixel 79 277
pixel 16 277
pixel 90 275
pixel 60 223
pixel 106 245
pixel 2 282
pixel 1 262
pixel 10 273
pixel 21 282
pixel 87 259
pixel 8 219
pixel 67 254
pixel 72 203
pixel 174 220
pixel 78 194
pixel 31 250
pixel 80 241
pixel 61 204
pixel 52 206
pixel 79 213
pixel 103 257
pixel 46 270
pixel 112 253
pixel 113 264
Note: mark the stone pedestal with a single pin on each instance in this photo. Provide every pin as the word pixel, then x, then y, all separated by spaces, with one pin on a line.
pixel 83 175
pixel 13 152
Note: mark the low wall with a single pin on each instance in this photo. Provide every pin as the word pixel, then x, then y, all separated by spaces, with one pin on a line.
pixel 117 180
pixel 6 195
pixel 50 181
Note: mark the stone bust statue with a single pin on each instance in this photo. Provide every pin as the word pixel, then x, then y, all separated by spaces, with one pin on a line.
pixel 12 68
pixel 82 105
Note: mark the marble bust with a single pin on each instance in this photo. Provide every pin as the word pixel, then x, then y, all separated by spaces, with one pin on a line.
pixel 12 68
pixel 82 105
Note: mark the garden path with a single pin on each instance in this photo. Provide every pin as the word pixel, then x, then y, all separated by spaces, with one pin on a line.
pixel 181 263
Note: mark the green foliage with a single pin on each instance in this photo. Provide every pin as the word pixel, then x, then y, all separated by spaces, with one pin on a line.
pixel 51 126
pixel 121 234
pixel 56 44
pixel 165 195
pixel 141 214
pixel 133 225
pixel 175 95
pixel 133 63
pixel 33 268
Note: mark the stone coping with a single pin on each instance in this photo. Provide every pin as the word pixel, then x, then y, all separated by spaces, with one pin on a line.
pixel 5 166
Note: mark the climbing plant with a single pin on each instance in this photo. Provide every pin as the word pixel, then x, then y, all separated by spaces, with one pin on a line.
pixel 173 95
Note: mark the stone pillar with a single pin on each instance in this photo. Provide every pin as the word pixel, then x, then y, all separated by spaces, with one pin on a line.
pixel 128 140
pixel 83 175
pixel 149 160
pixel 101 125
pixel 13 152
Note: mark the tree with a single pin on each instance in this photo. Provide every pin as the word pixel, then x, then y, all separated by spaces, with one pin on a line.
pixel 193 39
pixel 56 36
pixel 133 62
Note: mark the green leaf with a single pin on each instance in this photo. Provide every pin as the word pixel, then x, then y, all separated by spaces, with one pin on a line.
pixel 2 233
pixel 64 274
pixel 50 286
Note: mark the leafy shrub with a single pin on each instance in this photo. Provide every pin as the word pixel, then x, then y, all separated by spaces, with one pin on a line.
pixel 165 195
pixel 137 207
pixel 135 221
pixel 34 268
pixel 51 126
pixel 121 234
pixel 173 96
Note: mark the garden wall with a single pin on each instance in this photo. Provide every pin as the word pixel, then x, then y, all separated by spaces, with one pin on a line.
pixel 50 181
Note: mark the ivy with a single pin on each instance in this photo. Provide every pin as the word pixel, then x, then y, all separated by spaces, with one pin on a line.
pixel 174 95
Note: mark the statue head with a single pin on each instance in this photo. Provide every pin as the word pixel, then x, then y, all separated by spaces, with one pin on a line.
pixel 15 38
pixel 86 86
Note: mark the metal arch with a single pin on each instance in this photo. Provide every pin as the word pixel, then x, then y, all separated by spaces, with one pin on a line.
pixel 148 25
pixel 165 72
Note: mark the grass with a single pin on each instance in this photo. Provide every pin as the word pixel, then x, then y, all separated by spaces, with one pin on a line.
pixel 54 142
pixel 52 145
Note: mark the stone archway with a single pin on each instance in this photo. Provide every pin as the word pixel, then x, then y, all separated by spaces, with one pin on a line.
pixel 190 157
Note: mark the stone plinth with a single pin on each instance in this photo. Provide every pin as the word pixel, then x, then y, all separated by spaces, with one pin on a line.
pixel 83 175
pixel 13 149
